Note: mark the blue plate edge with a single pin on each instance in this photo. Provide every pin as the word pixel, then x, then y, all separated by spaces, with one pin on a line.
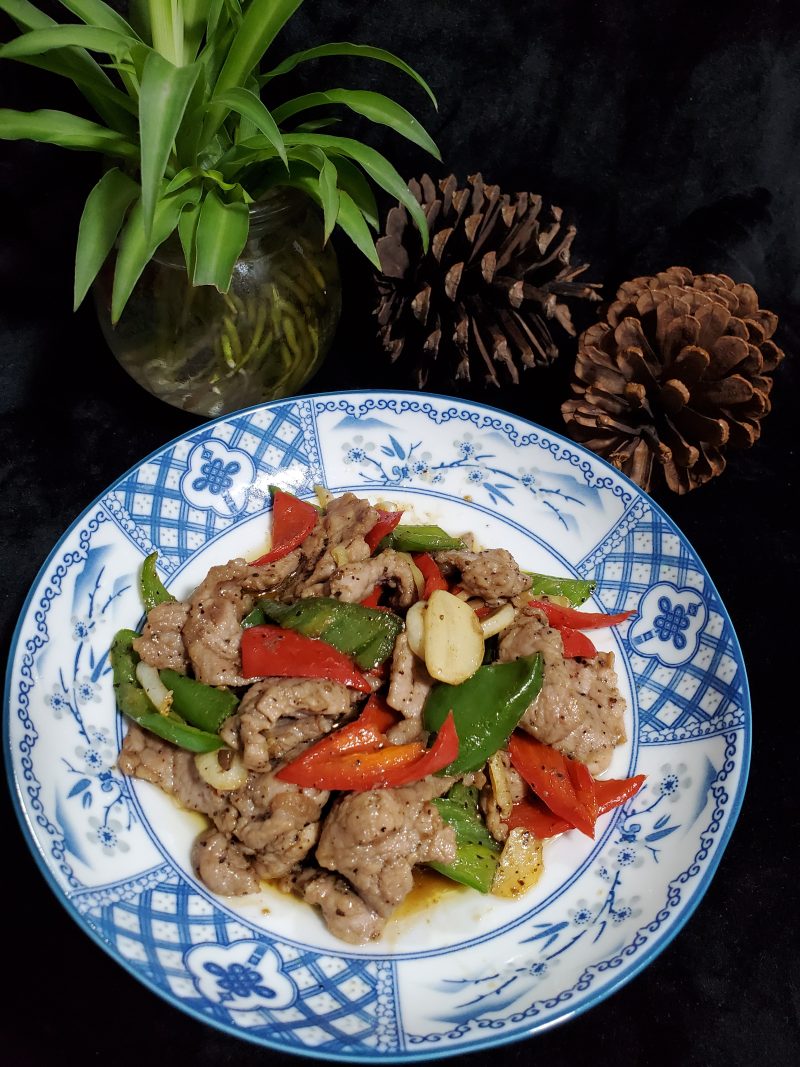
pixel 492 1039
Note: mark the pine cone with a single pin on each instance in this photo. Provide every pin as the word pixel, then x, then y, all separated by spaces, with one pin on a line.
pixel 679 372
pixel 497 269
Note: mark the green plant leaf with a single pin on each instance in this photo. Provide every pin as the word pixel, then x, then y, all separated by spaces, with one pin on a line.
pixel 221 235
pixel 245 102
pixel 187 232
pixel 96 39
pixel 26 15
pixel 61 128
pixel 163 95
pixel 377 167
pixel 262 22
pixel 322 123
pixel 352 222
pixel 352 180
pixel 166 29
pixel 346 48
pixel 76 64
pixel 115 108
pixel 136 248
pixel 100 224
pixel 328 197
pixel 98 13
pixel 195 20
pixel 374 106
pixel 187 140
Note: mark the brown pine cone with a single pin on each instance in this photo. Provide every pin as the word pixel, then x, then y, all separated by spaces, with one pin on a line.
pixel 678 372
pixel 497 270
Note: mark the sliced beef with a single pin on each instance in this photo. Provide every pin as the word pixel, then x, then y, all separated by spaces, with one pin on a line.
pixel 337 539
pixel 222 866
pixel 213 631
pixel 375 838
pixel 173 769
pixel 345 913
pixel 409 685
pixel 393 569
pixel 580 709
pixel 492 575
pixel 278 714
pixel 273 824
pixel 278 823
pixel 161 644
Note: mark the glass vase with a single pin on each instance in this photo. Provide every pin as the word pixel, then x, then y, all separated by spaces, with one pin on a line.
pixel 210 352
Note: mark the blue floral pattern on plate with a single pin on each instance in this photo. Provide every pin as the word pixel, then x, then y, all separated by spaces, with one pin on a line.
pixel 117 851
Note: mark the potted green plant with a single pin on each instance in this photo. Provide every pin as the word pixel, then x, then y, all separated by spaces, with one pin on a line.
pixel 206 237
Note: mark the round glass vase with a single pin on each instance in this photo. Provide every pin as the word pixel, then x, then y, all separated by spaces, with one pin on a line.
pixel 210 352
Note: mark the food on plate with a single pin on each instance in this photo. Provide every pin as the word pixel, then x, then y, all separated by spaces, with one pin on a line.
pixel 368 697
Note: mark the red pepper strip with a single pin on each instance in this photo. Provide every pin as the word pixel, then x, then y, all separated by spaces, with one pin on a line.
pixel 387 520
pixel 484 611
pixel 442 753
pixel 577 620
pixel 546 772
pixel 272 652
pixel 292 522
pixel 531 814
pixel 583 784
pixel 364 734
pixel 611 792
pixel 429 568
pixel 576 644
pixel 371 601
pixel 389 766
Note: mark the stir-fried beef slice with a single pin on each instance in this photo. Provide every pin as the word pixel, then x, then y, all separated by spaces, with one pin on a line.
pixel 492 575
pixel 346 915
pixel 278 823
pixel 580 709
pixel 409 685
pixel 278 714
pixel 213 630
pixel 161 644
pixel 355 580
pixel 375 838
pixel 222 866
pixel 497 804
pixel 174 770
pixel 337 539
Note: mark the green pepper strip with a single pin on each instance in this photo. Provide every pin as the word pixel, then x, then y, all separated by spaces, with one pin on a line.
pixel 200 705
pixel 153 591
pixel 486 708
pixel 420 539
pixel 365 634
pixel 135 703
pixel 477 852
pixel 576 590
pixel 255 618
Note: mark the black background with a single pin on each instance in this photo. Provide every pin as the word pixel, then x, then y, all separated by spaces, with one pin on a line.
pixel 670 132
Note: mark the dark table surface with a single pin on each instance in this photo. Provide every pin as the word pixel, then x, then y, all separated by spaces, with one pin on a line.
pixel 674 139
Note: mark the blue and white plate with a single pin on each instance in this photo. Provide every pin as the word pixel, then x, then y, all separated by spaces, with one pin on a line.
pixel 463 971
